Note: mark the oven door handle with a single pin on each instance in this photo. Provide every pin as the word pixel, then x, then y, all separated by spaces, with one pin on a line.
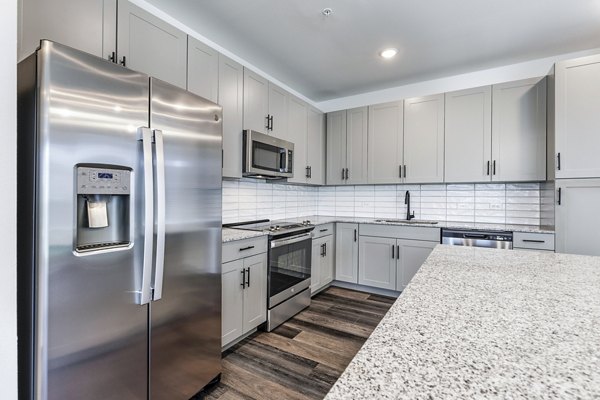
pixel 294 239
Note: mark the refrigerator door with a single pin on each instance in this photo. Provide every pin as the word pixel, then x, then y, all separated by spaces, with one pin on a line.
pixel 90 331
pixel 185 332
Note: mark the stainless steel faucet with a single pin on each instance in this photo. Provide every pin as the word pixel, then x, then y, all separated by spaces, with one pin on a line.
pixel 409 216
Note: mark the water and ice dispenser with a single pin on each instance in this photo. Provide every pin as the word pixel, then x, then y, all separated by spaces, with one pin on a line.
pixel 103 207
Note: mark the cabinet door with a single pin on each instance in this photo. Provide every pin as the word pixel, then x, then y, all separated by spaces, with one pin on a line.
pixel 315 147
pixel 336 147
pixel 578 117
pixel 424 139
pixel 256 102
pixel 346 252
pixel 315 267
pixel 296 133
pixel 203 70
pixel 412 254
pixel 327 265
pixel 148 44
pixel 468 135
pixel 356 145
pixel 519 131
pixel 386 142
pixel 377 265
pixel 278 109
pixel 231 98
pixel 232 301
pixel 578 216
pixel 87 25
pixel 255 294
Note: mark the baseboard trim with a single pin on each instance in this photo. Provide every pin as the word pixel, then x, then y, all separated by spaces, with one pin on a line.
pixel 236 341
pixel 366 289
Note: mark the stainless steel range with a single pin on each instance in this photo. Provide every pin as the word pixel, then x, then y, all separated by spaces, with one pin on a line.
pixel 290 247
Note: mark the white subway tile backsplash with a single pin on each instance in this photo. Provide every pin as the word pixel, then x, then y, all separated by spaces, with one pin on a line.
pixel 514 203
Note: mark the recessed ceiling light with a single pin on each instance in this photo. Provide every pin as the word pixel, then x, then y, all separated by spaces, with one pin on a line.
pixel 388 53
pixel 327 11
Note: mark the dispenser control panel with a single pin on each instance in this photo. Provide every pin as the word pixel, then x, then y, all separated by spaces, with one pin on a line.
pixel 91 180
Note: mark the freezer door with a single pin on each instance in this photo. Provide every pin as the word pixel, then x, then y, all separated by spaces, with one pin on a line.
pixel 185 333
pixel 90 333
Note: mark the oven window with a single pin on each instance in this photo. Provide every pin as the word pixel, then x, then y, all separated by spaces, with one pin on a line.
pixel 265 156
pixel 289 265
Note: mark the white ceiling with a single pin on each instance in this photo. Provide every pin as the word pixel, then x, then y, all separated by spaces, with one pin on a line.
pixel 336 56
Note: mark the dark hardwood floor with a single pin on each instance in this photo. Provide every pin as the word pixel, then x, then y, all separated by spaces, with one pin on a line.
pixel 304 357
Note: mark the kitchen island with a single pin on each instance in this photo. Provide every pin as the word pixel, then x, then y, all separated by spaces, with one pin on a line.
pixel 486 323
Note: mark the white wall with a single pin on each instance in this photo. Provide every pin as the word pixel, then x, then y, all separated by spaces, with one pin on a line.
pixel 8 265
pixel 513 72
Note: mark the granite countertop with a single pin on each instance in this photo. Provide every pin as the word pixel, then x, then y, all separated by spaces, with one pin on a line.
pixel 319 220
pixel 486 323
pixel 230 235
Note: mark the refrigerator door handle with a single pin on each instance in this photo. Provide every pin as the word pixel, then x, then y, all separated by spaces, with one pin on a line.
pixel 159 270
pixel 145 294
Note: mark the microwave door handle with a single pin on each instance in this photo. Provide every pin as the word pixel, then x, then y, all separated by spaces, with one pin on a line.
pixel 159 269
pixel 283 159
pixel 145 294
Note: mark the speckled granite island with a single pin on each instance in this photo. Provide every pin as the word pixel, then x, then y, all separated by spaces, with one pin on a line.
pixel 479 323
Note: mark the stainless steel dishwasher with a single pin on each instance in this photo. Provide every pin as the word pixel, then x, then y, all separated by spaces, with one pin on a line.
pixel 490 239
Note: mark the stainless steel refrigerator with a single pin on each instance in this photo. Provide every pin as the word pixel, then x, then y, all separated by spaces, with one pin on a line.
pixel 119 191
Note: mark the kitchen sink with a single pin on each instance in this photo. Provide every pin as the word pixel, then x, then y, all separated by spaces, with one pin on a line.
pixel 405 221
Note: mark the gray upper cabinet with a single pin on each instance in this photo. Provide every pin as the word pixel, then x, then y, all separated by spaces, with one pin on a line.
pixel 87 25
pixel 231 98
pixel 577 216
pixel 356 145
pixel 468 135
pixel 203 70
pixel 278 111
pixel 296 133
pixel 519 131
pixel 148 44
pixel 315 145
pixel 386 142
pixel 256 102
pixel 424 139
pixel 336 147
pixel 577 108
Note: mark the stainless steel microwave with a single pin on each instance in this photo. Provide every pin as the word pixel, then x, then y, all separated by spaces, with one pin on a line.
pixel 266 156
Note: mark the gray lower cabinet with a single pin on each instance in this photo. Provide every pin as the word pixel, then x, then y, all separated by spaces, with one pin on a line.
pixel 577 120
pixel 411 255
pixel 244 296
pixel 148 44
pixel 377 265
pixel 390 255
pixel 519 131
pixel 533 241
pixel 322 268
pixel 578 216
pixel 346 252
pixel 202 70
pixel 468 141
pixel 87 25
pixel 231 98
pixel 424 139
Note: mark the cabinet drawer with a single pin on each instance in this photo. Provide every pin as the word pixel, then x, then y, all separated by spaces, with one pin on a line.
pixel 534 241
pixel 244 248
pixel 322 230
pixel 401 232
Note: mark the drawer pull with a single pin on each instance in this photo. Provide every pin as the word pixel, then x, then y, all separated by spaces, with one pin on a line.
pixel 533 241
pixel 246 248
pixel 323 230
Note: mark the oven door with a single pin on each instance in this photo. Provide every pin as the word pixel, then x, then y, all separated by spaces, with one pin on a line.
pixel 289 267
